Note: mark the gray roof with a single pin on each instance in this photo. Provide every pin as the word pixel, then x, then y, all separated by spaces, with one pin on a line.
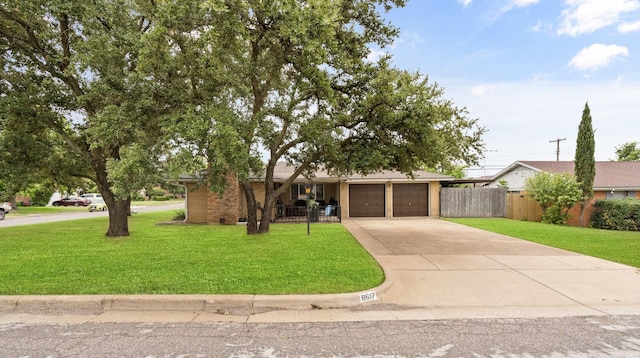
pixel 284 171
pixel 609 174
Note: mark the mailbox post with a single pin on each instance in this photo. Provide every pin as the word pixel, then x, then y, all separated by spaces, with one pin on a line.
pixel 307 190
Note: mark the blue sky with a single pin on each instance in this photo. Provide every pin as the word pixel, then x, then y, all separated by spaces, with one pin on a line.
pixel 526 68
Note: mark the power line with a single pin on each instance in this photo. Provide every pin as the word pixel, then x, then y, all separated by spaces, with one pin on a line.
pixel 484 156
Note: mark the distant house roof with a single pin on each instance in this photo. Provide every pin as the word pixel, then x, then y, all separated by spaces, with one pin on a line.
pixel 609 174
pixel 283 171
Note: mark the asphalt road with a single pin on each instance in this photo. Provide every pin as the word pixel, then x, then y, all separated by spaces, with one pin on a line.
pixel 577 337
pixel 11 220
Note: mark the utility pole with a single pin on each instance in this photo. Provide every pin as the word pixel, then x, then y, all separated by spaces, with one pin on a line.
pixel 557 147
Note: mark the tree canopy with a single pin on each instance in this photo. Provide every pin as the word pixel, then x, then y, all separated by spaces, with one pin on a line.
pixel 230 86
pixel 298 88
pixel 627 152
pixel 72 73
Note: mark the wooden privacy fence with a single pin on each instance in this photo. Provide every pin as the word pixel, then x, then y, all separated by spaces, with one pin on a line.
pixel 522 207
pixel 473 202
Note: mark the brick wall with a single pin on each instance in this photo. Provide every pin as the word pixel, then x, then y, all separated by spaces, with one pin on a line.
pixel 196 203
pixel 574 212
pixel 223 209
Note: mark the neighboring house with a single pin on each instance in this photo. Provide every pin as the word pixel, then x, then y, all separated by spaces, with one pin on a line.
pixel 617 180
pixel 384 194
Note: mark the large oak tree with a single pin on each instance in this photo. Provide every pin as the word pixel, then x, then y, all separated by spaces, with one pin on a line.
pixel 73 68
pixel 299 88
pixel 241 83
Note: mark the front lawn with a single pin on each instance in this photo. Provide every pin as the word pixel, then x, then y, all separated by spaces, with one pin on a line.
pixel 617 246
pixel 74 257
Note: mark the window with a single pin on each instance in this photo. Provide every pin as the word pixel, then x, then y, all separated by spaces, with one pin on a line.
pixel 620 194
pixel 298 192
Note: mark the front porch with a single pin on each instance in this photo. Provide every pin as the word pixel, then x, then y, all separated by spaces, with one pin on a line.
pixel 298 214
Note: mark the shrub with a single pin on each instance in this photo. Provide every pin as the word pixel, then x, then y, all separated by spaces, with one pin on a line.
pixel 616 214
pixel 556 194
pixel 39 194
pixel 155 192
pixel 160 198
pixel 554 215
pixel 181 215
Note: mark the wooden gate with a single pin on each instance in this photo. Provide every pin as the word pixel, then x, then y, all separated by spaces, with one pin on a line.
pixel 473 202
pixel 522 207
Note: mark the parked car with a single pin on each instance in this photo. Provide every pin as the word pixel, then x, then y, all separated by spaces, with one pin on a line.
pixel 5 207
pixel 92 196
pixel 71 201
pixel 98 205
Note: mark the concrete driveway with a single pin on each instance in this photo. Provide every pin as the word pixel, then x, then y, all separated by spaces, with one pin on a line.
pixel 452 270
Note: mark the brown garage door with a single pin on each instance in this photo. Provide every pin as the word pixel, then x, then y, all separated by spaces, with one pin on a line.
pixel 410 200
pixel 366 200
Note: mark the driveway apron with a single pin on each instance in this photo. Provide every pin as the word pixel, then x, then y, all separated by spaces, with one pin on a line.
pixel 454 269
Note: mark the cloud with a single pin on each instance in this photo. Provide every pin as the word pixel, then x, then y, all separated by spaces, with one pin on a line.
pixel 540 27
pixel 465 3
pixel 536 27
pixel 512 4
pixel 483 89
pixel 523 3
pixel 410 39
pixel 626 27
pixel 597 56
pixel 586 16
pixel 496 13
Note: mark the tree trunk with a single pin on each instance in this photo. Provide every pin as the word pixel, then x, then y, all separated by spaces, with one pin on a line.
pixel 118 217
pixel 582 207
pixel 252 208
pixel 267 212
pixel 119 210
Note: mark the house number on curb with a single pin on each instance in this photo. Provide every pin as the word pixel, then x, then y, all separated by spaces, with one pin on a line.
pixel 368 296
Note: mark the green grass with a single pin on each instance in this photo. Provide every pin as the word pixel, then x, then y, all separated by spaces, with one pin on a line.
pixel 617 246
pixel 39 210
pixel 74 257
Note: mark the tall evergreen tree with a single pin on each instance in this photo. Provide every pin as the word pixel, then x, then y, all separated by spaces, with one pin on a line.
pixel 585 162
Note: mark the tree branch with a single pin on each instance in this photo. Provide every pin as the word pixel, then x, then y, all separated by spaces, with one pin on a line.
pixel 64 39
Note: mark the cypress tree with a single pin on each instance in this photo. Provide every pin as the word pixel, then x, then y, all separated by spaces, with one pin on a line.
pixel 585 162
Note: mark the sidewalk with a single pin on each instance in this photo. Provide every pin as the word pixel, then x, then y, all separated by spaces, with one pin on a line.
pixel 434 269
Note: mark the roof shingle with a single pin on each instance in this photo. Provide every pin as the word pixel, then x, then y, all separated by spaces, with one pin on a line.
pixel 609 174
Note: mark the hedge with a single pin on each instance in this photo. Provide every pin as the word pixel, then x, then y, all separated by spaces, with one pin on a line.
pixel 616 214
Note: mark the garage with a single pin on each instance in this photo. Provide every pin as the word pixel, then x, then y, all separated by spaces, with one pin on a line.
pixel 411 199
pixel 366 200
